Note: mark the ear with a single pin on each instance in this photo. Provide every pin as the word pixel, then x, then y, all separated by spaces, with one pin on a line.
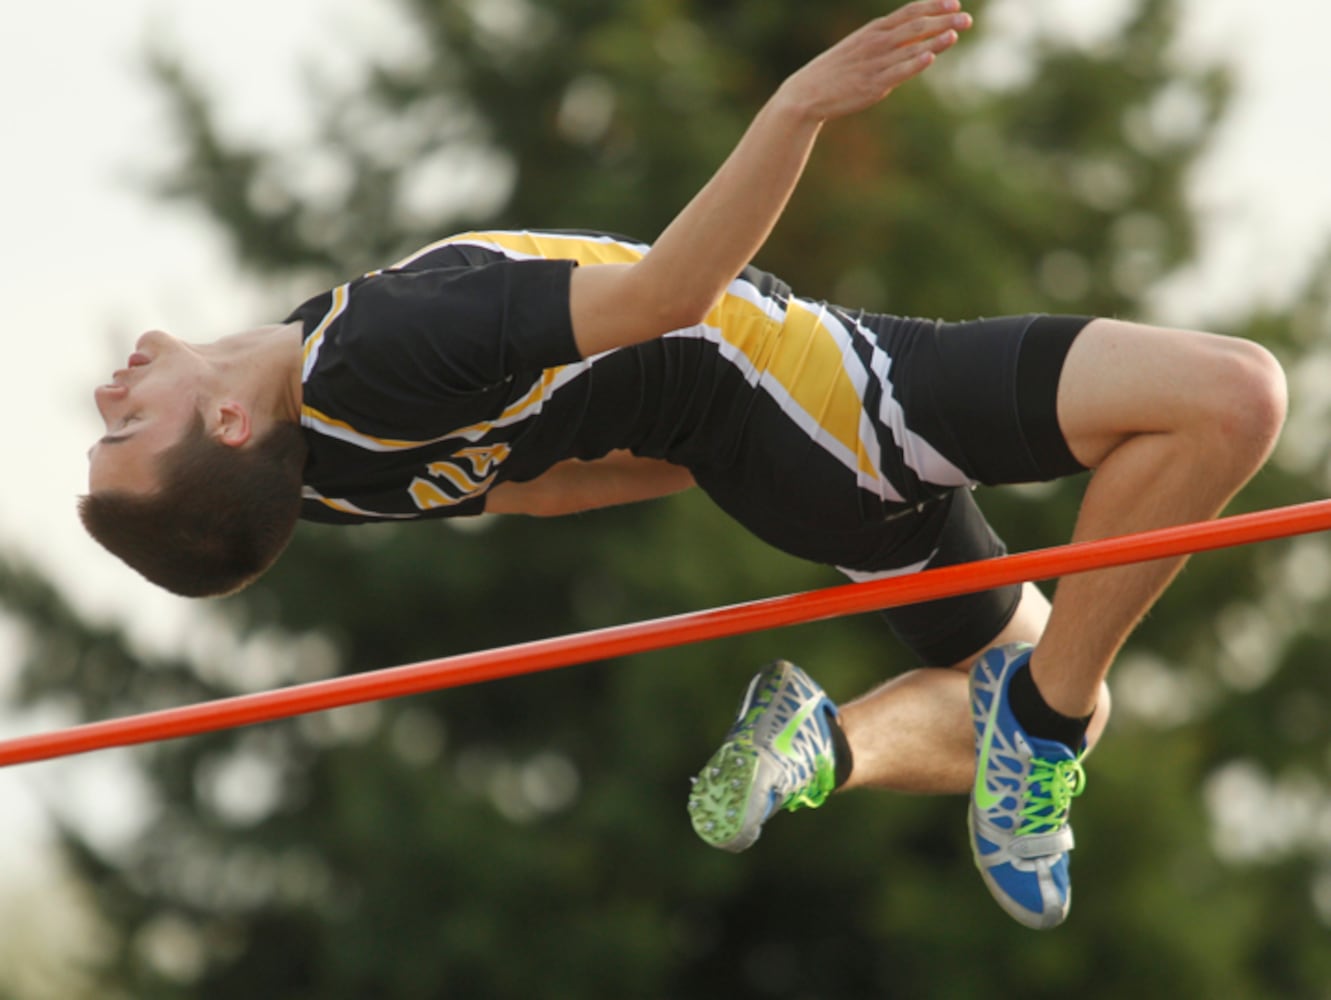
pixel 232 426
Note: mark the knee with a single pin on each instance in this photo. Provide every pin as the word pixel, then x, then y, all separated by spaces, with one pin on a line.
pixel 1246 401
pixel 1222 399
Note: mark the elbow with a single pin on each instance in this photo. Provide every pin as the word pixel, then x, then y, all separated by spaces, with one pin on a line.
pixel 620 305
pixel 697 312
pixel 682 310
pixel 670 302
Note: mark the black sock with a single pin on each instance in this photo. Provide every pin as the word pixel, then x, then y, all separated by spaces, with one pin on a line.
pixel 1037 718
pixel 845 760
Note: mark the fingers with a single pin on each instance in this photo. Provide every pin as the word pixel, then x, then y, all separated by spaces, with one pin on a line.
pixel 865 66
pixel 911 61
pixel 922 8
pixel 927 46
pixel 895 52
pixel 911 37
pixel 927 21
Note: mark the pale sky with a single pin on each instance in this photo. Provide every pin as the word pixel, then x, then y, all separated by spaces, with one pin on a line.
pixel 90 261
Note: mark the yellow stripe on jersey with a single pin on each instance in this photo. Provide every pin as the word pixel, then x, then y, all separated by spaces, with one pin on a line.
pixel 582 248
pixel 806 359
pixel 810 361
pixel 310 349
pixel 483 458
pixel 427 495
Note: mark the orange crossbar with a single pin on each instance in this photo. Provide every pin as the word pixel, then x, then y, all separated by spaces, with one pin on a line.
pixel 661 633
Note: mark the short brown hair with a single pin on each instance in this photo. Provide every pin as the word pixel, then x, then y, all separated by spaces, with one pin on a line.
pixel 220 518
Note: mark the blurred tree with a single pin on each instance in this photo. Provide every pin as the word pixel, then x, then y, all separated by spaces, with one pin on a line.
pixel 528 837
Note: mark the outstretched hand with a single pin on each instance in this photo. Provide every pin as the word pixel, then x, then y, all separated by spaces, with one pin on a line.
pixel 697 256
pixel 866 66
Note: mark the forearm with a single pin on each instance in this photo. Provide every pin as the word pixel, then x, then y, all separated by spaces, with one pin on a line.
pixel 706 246
pixel 727 222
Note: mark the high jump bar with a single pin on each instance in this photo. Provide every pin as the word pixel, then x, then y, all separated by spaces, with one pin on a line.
pixel 663 633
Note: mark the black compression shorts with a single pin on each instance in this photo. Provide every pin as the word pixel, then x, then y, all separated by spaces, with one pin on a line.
pixel 997 407
pixel 979 395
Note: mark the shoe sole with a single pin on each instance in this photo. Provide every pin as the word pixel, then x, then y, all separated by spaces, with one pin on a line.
pixel 721 802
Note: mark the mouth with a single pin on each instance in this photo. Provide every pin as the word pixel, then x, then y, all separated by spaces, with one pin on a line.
pixel 136 360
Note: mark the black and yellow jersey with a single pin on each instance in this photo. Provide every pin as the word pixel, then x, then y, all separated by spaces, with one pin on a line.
pixel 839 436
pixel 429 381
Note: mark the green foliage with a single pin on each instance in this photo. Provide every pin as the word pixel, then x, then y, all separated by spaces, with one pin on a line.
pixel 528 837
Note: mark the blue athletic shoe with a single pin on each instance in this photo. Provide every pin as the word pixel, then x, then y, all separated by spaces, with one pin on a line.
pixel 779 754
pixel 1024 787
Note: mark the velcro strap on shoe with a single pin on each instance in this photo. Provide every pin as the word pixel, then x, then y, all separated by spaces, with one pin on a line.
pixel 1042 845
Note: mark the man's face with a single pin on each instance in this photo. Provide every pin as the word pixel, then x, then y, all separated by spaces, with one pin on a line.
pixel 146 407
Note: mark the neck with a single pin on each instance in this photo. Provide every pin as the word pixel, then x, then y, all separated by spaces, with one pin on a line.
pixel 266 360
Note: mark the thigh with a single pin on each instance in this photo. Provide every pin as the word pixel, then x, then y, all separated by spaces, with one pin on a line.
pixel 1122 379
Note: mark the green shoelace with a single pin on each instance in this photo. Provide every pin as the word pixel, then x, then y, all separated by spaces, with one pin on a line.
pixel 1053 786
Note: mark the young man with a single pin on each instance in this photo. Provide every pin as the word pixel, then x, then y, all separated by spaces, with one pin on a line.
pixel 545 373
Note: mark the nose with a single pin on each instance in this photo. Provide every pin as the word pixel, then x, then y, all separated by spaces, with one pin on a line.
pixel 153 342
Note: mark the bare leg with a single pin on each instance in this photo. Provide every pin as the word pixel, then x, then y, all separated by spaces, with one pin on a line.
pixel 1173 423
pixel 913 734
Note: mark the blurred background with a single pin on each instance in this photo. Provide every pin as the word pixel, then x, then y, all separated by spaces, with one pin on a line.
pixel 204 167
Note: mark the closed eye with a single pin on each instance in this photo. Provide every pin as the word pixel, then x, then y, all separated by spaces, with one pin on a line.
pixel 118 438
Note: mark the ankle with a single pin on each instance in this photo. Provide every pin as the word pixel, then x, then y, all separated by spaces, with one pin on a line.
pixel 1038 718
pixel 842 754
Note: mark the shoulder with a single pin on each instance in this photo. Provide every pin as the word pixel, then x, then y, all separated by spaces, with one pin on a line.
pixel 584 246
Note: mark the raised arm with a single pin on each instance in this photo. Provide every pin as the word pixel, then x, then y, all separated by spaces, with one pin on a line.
pixel 722 228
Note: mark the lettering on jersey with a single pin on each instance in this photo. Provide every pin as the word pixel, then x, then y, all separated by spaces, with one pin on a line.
pixel 484 459
pixel 466 473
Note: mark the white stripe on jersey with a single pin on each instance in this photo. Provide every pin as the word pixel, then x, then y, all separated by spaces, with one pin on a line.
pixel 347 507
pixel 341 295
pixel 862 576
pixel 917 453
